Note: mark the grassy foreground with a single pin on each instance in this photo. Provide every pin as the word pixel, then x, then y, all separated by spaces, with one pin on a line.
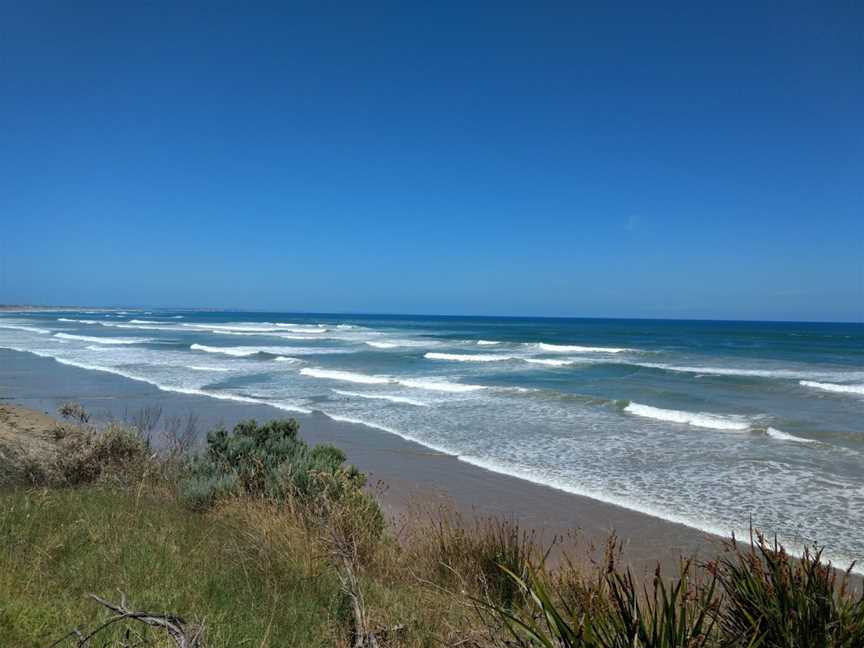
pixel 261 540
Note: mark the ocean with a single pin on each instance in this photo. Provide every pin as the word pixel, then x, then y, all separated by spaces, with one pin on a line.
pixel 710 424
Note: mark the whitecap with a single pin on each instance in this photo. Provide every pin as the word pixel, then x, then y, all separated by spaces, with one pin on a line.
pixel 833 387
pixel 102 340
pixel 29 329
pixel 366 379
pixel 439 385
pixel 388 397
pixel 239 352
pixel 750 372
pixel 346 376
pixel 78 321
pixel 460 357
pixel 698 419
pixel 569 348
pixel 780 435
pixel 553 362
pixel 288 359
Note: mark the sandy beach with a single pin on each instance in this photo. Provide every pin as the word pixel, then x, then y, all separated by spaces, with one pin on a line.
pixel 410 474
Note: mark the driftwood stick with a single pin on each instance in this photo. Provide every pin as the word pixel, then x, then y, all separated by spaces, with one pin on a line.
pixel 175 626
pixel 183 635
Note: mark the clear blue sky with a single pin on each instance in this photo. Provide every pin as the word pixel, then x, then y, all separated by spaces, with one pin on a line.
pixel 643 159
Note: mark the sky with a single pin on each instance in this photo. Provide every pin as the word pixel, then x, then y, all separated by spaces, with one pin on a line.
pixel 671 160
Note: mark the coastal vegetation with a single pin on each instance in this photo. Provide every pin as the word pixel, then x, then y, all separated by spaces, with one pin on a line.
pixel 258 539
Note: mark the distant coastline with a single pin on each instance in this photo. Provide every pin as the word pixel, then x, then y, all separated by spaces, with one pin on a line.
pixel 37 308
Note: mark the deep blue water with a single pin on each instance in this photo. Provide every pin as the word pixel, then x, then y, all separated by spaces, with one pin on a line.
pixel 706 423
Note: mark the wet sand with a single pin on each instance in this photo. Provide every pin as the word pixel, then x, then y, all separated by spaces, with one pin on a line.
pixel 411 474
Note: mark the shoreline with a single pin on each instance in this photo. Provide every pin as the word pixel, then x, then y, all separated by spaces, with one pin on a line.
pixel 411 473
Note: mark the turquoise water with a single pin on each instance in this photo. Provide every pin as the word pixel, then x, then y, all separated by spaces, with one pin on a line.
pixel 705 423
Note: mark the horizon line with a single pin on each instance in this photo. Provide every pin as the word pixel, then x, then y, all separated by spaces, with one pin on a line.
pixel 200 309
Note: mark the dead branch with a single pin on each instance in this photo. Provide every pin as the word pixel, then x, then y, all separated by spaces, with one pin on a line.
pixel 182 634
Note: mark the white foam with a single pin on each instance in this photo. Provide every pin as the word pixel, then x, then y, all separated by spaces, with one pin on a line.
pixel 366 379
pixel 139 327
pixel 780 435
pixel 248 328
pixel 386 397
pixel 173 388
pixel 569 348
pixel 243 351
pixel 439 385
pixel 841 562
pixel 122 325
pixel 552 362
pixel 749 372
pixel 29 329
pixel 239 352
pixel 516 469
pixel 300 328
pixel 206 368
pixel 833 387
pixel 392 344
pixel 137 321
pixel 460 357
pixel 232 332
pixel 345 376
pixel 289 360
pixel 698 419
pixel 101 340
pixel 487 342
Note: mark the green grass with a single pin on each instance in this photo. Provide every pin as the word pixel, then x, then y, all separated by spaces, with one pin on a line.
pixel 57 546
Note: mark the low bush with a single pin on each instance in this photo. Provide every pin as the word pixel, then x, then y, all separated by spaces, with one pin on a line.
pixel 269 461
pixel 87 455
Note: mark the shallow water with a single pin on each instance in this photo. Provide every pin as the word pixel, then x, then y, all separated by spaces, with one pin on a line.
pixel 705 423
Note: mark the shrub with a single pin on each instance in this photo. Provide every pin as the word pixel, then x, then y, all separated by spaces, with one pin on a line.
pixel 114 453
pixel 268 461
pixel 74 412
pixel 200 492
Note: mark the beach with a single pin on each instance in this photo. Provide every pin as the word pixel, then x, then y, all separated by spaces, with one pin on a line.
pixel 412 475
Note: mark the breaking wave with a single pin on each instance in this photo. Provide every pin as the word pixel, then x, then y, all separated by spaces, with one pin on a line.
pixel 102 340
pixel 461 357
pixel 366 379
pixel 238 352
pixel 29 329
pixel 345 376
pixel 553 362
pixel 567 348
pixel 440 385
pixel 780 435
pixel 387 397
pixel 697 419
pixel 833 387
